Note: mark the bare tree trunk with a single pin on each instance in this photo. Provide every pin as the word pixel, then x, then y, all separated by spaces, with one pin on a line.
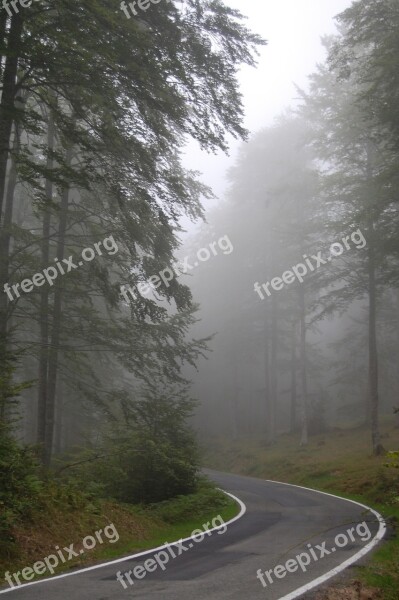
pixel 267 382
pixel 304 386
pixel 270 344
pixel 3 29
pixel 59 409
pixel 44 297
pixel 293 380
pixel 234 398
pixel 57 325
pixel 5 241
pixel 397 370
pixel 273 371
pixel 373 350
pixel 7 108
pixel 7 115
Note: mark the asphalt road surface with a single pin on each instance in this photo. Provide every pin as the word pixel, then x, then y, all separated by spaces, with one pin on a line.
pixel 279 524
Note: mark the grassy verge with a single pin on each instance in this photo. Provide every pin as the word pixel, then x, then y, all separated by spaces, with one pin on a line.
pixel 339 462
pixel 139 528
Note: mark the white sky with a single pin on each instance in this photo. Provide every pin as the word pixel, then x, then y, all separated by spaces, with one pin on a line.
pixel 293 29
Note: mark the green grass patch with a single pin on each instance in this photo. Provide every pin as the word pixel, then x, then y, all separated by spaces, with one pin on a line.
pixel 177 518
pixel 140 528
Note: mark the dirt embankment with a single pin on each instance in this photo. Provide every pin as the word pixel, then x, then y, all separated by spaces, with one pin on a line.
pixel 355 591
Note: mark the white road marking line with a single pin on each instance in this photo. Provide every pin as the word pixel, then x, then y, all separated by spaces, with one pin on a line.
pixel 292 595
pixel 323 578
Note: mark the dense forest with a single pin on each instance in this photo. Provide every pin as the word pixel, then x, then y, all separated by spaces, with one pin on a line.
pixel 316 193
pixel 94 110
pixel 90 168
pixel 126 342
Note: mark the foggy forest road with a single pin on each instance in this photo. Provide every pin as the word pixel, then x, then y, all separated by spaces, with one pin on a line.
pixel 279 523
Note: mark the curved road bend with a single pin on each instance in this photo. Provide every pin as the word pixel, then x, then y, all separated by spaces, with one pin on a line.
pixel 279 523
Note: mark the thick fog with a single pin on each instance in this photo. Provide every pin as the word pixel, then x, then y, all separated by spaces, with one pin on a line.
pixel 295 358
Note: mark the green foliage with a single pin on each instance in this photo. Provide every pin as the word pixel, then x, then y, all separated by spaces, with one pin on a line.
pixel 67 496
pixel 153 457
pixel 9 391
pixel 373 25
pixel 113 136
pixel 394 456
pixel 151 471
pixel 19 482
pixel 20 487
pixel 203 502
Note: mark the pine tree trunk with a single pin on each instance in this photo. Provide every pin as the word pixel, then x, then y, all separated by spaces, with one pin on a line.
pixel 267 383
pixel 304 386
pixel 372 293
pixel 44 298
pixel 5 241
pixel 234 395
pixel 273 371
pixel 7 109
pixel 57 325
pixel 59 420
pixel 293 380
pixel 3 28
pixel 373 350
pixel 7 114
pixel 397 370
